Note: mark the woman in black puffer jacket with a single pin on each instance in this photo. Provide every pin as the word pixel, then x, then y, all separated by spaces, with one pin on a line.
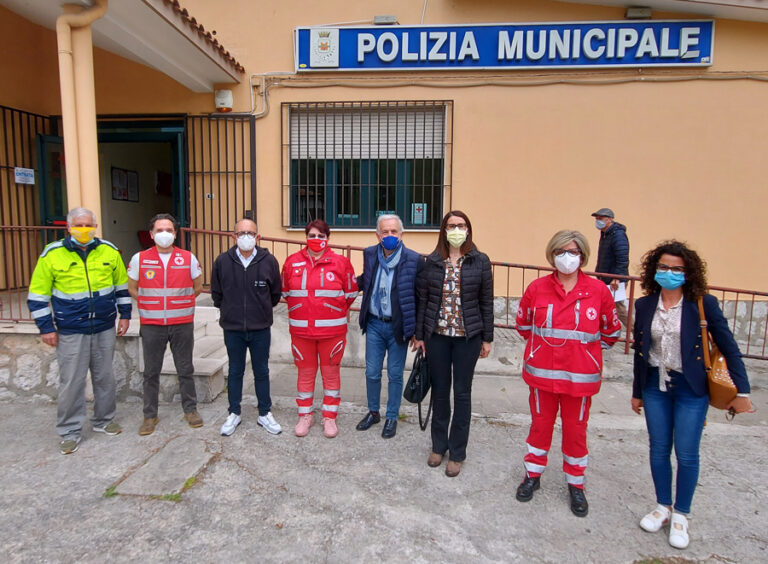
pixel 454 326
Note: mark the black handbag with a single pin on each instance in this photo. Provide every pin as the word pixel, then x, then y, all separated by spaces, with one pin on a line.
pixel 417 387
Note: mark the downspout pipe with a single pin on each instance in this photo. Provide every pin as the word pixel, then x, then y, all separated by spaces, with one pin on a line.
pixel 78 103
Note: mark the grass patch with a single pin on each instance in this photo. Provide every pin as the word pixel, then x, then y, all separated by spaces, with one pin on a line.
pixel 175 497
pixel 402 417
pixel 110 492
pixel 190 482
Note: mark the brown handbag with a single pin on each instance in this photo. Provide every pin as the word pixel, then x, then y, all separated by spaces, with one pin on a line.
pixel 722 390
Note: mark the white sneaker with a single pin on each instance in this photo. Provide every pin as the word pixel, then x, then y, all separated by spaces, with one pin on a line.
pixel 268 422
pixel 655 519
pixel 678 531
pixel 230 424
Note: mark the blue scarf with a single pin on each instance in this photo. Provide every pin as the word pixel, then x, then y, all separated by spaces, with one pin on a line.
pixel 381 304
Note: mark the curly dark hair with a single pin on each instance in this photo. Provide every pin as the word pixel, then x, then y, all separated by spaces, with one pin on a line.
pixel 695 269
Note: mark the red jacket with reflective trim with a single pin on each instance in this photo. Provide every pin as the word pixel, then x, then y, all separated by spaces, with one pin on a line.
pixel 565 334
pixel 319 293
pixel 166 296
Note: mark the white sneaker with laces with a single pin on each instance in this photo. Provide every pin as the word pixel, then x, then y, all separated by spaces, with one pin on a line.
pixel 678 531
pixel 230 424
pixel 268 422
pixel 655 519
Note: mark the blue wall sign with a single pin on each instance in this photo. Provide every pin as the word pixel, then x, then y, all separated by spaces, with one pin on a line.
pixel 649 43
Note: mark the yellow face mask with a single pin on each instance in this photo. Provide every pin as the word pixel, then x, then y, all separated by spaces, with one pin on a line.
pixel 83 235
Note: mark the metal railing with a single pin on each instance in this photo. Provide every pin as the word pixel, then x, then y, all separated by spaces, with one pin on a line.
pixel 20 246
pixel 745 310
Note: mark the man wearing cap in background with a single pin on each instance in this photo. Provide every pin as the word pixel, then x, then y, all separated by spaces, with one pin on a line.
pixel 613 257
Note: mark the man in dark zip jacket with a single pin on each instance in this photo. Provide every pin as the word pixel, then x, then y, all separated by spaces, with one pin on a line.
pixel 612 254
pixel 245 286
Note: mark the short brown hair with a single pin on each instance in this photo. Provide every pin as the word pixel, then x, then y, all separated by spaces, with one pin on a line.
pixel 320 225
pixel 167 216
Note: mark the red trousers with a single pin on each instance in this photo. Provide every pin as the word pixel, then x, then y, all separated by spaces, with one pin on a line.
pixel 574 414
pixel 306 354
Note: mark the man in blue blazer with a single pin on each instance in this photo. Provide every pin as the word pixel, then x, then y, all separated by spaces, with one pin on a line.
pixel 387 317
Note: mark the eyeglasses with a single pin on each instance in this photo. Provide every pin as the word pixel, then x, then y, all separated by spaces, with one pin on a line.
pixel 462 226
pixel 572 252
pixel 666 268
pixel 317 236
pixel 244 233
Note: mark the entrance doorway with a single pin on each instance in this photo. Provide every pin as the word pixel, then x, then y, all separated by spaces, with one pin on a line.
pixel 141 170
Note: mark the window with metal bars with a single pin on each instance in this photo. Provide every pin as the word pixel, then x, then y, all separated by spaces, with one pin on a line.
pixel 349 162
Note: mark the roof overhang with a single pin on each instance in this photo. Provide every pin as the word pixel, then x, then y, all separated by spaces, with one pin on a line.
pixel 150 32
pixel 747 10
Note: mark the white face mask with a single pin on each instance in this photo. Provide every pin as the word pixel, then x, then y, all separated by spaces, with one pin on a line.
pixel 164 239
pixel 567 264
pixel 246 243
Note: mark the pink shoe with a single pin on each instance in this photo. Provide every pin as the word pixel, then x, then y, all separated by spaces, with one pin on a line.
pixel 329 428
pixel 302 427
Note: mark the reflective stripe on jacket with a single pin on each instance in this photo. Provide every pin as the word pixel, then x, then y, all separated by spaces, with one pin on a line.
pixel 166 293
pixel 79 290
pixel 319 293
pixel 565 334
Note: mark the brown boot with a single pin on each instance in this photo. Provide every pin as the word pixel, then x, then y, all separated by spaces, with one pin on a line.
pixel 148 426
pixel 434 460
pixel 194 419
pixel 452 469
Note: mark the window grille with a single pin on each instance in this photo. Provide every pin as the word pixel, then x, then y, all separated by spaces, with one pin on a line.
pixel 349 162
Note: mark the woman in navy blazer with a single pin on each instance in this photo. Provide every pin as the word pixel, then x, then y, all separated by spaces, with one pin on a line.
pixel 670 377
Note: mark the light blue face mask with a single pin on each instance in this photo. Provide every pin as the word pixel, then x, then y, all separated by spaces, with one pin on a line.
pixel 599 223
pixel 670 280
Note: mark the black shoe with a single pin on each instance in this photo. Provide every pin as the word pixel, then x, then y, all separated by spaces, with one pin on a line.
pixel 526 488
pixel 579 505
pixel 390 428
pixel 371 418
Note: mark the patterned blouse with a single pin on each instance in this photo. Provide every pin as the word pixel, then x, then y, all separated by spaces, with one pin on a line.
pixel 665 352
pixel 450 320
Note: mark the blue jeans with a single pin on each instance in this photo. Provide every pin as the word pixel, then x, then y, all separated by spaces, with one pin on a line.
pixel 675 417
pixel 237 343
pixel 380 340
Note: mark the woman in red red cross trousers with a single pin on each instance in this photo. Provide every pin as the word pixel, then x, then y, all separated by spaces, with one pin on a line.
pixel 566 318
pixel 319 286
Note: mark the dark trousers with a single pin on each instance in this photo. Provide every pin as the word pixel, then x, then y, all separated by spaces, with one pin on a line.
pixel 452 359
pixel 238 343
pixel 154 339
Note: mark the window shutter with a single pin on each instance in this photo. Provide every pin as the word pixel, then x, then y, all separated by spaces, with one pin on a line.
pixel 367 132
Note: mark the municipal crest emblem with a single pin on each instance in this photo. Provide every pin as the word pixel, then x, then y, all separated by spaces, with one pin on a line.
pixel 149 274
pixel 324 48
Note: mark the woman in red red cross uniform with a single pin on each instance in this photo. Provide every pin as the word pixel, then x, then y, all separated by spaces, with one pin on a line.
pixel 566 318
pixel 319 286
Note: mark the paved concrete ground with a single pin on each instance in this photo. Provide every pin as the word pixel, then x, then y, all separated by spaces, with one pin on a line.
pixel 192 495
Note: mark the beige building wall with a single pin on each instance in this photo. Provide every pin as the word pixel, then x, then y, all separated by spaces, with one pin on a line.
pixel 675 152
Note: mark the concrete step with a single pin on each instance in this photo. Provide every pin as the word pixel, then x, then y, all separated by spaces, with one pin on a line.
pixel 210 347
pixel 209 358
